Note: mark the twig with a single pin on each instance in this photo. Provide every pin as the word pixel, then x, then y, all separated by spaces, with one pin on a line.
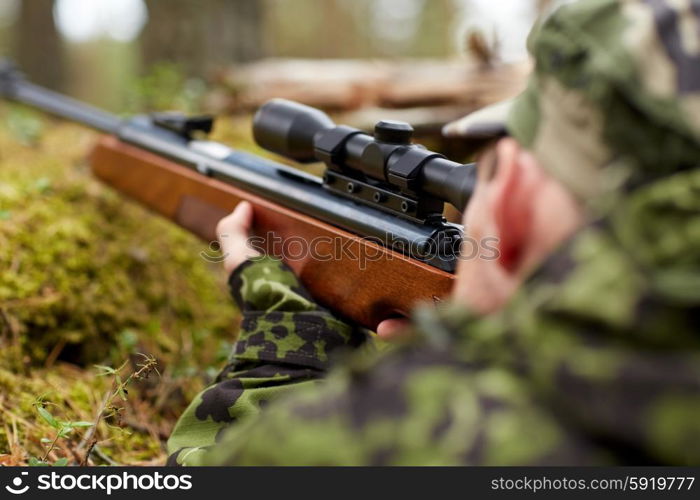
pixel 55 352
pixel 84 461
pixel 118 390
pixel 23 421
pixel 15 456
pixel 77 458
pixel 51 446
pixel 158 434
pixel 98 451
pixel 92 430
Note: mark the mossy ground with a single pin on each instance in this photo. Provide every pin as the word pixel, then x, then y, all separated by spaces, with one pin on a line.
pixel 88 277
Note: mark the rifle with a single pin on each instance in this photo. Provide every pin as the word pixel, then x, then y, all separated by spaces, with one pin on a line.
pixel 380 200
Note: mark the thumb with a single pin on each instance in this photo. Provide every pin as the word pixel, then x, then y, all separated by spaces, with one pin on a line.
pixel 393 329
pixel 237 223
pixel 233 231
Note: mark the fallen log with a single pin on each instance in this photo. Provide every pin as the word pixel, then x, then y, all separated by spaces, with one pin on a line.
pixel 343 85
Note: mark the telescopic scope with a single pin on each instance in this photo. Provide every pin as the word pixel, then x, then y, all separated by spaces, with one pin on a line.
pixel 386 170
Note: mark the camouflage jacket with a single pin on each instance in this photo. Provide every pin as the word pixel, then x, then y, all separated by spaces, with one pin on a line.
pixel 286 342
pixel 595 361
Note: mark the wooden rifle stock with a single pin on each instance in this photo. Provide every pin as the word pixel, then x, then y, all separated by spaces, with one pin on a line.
pixel 366 283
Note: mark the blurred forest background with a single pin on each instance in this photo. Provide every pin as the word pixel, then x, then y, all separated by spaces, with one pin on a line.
pixel 89 278
pixel 95 50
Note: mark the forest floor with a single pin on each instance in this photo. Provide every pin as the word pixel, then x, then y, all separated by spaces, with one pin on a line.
pixel 108 314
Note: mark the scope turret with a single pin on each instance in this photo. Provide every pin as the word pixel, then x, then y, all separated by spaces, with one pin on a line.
pixel 385 170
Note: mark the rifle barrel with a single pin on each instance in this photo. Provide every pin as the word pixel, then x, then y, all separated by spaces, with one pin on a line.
pixel 13 86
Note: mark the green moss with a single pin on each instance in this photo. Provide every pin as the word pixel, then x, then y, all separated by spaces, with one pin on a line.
pixel 82 264
pixel 90 277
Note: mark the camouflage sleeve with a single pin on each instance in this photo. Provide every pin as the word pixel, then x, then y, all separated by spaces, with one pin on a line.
pixel 286 341
pixel 413 406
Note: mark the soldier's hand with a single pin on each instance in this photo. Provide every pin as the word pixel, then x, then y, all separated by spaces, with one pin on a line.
pixel 393 329
pixel 233 232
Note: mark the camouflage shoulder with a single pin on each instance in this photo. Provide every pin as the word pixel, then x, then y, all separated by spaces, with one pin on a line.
pixel 410 406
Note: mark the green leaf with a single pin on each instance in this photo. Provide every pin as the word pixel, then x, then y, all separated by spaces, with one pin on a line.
pixel 46 440
pixel 35 462
pixel 48 417
pixel 64 432
pixel 105 370
pixel 122 393
pixel 81 424
pixel 61 462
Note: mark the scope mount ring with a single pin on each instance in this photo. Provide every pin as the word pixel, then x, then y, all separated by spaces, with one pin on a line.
pixel 423 210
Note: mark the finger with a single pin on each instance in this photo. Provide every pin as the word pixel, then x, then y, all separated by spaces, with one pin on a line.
pixel 393 329
pixel 244 216
pixel 235 227
pixel 238 222
pixel 233 232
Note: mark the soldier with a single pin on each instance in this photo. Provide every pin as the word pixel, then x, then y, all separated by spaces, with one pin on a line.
pixel 579 344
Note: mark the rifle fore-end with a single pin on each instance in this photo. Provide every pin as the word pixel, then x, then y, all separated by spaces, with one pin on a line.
pixel 365 289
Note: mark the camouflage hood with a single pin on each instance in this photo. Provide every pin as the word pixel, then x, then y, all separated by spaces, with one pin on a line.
pixel 614 97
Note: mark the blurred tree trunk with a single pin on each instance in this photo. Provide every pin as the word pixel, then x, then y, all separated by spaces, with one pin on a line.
pixel 433 38
pixel 200 36
pixel 543 5
pixel 234 30
pixel 37 44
